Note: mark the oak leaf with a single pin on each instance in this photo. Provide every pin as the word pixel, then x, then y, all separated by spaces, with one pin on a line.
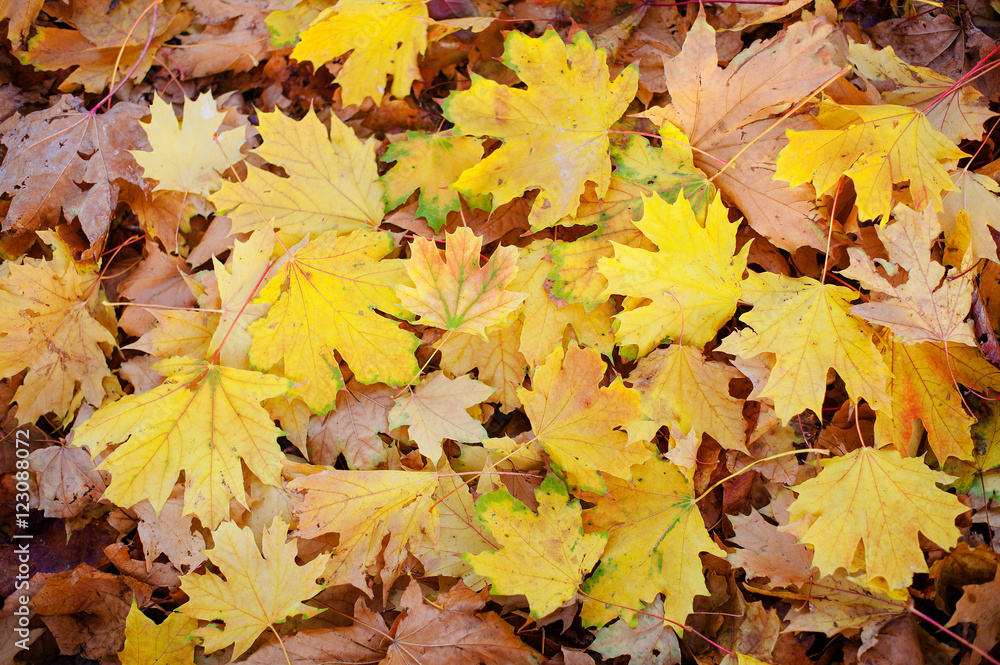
pixel 436 410
pixel 930 306
pixel 809 329
pixel 204 420
pixel 655 532
pixel 332 181
pixel 431 163
pixel 453 292
pixel 323 300
pixel 693 280
pixel 47 311
pixel 543 556
pixel 257 589
pixel 385 37
pixel 879 500
pixel 876 147
pixel 555 133
pixel 185 155
pixel 575 419
pixel 148 643
pixel 365 507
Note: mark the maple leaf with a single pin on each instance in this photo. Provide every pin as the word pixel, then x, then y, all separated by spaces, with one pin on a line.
pixel 365 507
pixel 923 387
pixel 148 643
pixel 64 159
pixel 724 112
pixel 498 358
pixel 178 333
pixel 183 158
pixel 543 556
pixel 640 170
pixel 249 266
pixel 838 605
pixel 436 411
pixel 879 500
pixel 789 318
pixel 575 419
pixel 430 163
pixel 453 292
pixel 460 534
pixel 977 195
pixel 546 320
pixel 205 420
pixel 353 427
pixel 876 147
pixel 693 281
pixel 555 133
pixel 386 36
pixel 450 631
pixel 650 642
pixel 956 111
pixel 257 589
pixel 928 307
pixel 21 13
pixel 47 326
pixel 332 180
pixel 681 389
pixel 655 532
pixel 768 552
pixel 323 300
pixel 979 605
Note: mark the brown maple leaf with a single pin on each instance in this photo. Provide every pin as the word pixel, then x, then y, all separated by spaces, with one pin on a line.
pixel 65 159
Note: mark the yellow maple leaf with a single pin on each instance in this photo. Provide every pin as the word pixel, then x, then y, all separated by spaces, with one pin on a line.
pixel 148 643
pixel 178 333
pixel 248 267
pixel 880 500
pixel 809 329
pixel 453 292
pixel 575 420
pixel 977 196
pixel 681 389
pixel 543 556
pixel 258 587
pixel 555 133
pixel 693 281
pixel 640 169
pixel 459 533
pixel 324 299
pixel 546 320
pixel 386 36
pixel 431 163
pixel 332 181
pixel 205 420
pixel 48 327
pixel 956 111
pixel 876 147
pixel 923 387
pixel 365 507
pixel 436 411
pixel 498 359
pixel 655 532
pixel 185 156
